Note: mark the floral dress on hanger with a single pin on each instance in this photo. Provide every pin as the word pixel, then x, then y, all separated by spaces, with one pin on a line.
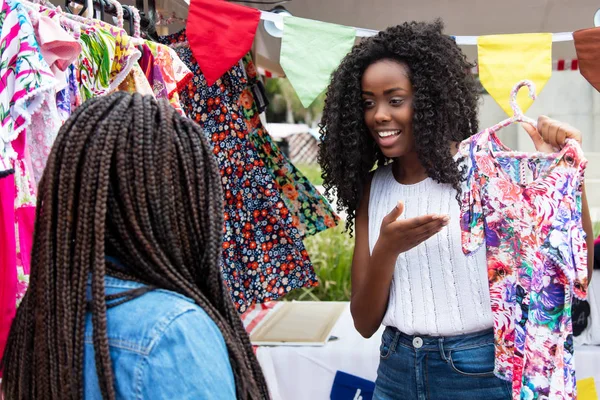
pixel 311 213
pixel 100 44
pixel 28 83
pixel 263 254
pixel 166 73
pixel 537 257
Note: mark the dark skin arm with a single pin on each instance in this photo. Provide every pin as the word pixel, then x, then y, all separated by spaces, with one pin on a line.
pixel 372 273
pixel 549 136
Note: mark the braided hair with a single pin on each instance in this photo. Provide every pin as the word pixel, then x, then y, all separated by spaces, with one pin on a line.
pixel 445 109
pixel 128 178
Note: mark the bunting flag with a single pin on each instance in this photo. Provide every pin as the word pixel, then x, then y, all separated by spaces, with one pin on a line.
pixel 587 45
pixel 586 389
pixel 310 52
pixel 505 60
pixel 220 33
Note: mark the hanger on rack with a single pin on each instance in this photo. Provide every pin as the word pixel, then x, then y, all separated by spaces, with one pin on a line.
pixel 132 15
pixel 99 5
pixel 111 7
pixel 128 15
pixel 67 23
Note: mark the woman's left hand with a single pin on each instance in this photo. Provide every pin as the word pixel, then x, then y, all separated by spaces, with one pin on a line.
pixel 551 135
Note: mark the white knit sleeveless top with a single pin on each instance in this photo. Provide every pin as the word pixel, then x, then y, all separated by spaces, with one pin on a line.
pixel 436 290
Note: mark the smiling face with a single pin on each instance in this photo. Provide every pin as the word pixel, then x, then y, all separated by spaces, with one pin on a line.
pixel 387 103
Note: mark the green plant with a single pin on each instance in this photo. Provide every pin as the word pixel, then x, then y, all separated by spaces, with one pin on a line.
pixel 596 229
pixel 312 172
pixel 331 254
pixel 285 105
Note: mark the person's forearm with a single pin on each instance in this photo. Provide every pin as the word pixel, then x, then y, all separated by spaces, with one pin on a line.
pixel 370 298
pixel 586 221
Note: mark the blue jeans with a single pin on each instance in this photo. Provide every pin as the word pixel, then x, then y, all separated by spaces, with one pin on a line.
pixel 436 368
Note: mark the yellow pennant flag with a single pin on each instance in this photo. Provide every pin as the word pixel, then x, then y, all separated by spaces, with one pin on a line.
pixel 586 389
pixel 505 60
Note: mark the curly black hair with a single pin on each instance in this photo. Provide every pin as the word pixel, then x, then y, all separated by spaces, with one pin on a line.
pixel 445 109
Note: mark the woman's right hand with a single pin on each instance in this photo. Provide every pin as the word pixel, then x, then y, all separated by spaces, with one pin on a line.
pixel 398 236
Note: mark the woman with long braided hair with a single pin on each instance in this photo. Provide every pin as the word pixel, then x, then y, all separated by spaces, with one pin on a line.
pixel 126 298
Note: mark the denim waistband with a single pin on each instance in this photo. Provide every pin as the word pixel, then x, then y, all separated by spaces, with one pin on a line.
pixel 434 343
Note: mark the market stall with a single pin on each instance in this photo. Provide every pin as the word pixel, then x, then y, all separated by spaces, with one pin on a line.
pixel 55 57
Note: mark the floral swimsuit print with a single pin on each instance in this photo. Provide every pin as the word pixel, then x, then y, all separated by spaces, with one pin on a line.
pixel 537 257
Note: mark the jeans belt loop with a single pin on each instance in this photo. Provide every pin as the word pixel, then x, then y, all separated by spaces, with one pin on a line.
pixel 441 347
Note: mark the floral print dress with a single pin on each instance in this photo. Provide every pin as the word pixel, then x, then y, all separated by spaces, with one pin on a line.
pixel 27 79
pixel 107 59
pixel 27 84
pixel 537 257
pixel 263 254
pixel 311 213
pixel 166 73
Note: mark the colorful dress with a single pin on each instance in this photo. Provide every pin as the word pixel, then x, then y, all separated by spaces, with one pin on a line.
pixel 311 213
pixel 166 73
pixel 26 77
pixel 136 82
pixel 59 50
pixel 68 99
pixel 537 257
pixel 27 83
pixel 29 87
pixel 100 44
pixel 263 255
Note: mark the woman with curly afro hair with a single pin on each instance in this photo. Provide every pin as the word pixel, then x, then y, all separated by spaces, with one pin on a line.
pixel 395 111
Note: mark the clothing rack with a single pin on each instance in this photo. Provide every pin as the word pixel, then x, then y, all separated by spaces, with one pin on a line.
pixel 147 19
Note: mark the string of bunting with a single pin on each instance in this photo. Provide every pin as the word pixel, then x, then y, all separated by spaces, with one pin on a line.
pixel 220 33
pixel 557 65
pixel 363 32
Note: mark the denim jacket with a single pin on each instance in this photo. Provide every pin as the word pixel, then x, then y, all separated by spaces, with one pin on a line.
pixel 162 346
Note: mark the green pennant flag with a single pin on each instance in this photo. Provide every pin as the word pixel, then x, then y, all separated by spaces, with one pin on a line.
pixel 310 52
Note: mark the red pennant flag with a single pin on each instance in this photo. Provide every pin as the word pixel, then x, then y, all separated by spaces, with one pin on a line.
pixel 220 34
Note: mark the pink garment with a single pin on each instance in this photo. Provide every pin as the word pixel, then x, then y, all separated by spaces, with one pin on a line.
pixel 25 221
pixel 8 261
pixel 58 48
pixel 41 133
pixel 26 77
pixel 24 209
